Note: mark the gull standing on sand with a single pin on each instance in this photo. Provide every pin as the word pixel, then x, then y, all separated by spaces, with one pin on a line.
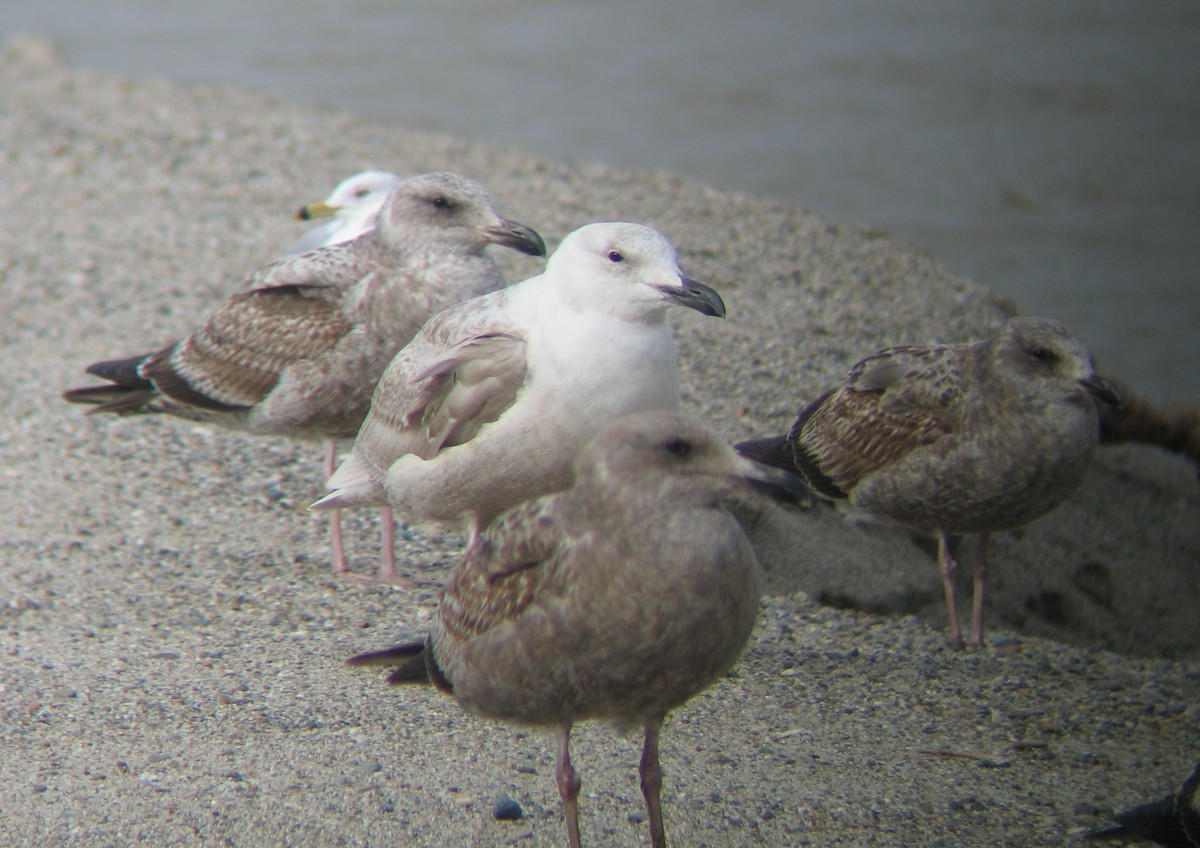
pixel 947 439
pixel 618 599
pixel 298 351
pixel 491 402
pixel 352 207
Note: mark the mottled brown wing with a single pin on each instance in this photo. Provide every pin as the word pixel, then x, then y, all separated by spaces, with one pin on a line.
pixel 919 379
pixel 888 405
pixel 504 572
pixel 340 266
pixel 235 359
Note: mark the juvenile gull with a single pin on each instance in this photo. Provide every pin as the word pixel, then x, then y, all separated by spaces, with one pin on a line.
pixel 967 438
pixel 1173 821
pixel 618 599
pixel 299 349
pixel 352 207
pixel 491 402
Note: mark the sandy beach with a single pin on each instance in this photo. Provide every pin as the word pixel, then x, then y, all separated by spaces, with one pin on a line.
pixel 172 642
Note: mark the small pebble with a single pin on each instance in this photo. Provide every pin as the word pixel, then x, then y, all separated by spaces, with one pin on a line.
pixel 506 808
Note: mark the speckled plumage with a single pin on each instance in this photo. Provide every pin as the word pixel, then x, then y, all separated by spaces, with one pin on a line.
pixel 618 599
pixel 492 401
pixel 968 438
pixel 298 350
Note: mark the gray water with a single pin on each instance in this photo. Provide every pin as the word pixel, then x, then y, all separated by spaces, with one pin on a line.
pixel 1047 148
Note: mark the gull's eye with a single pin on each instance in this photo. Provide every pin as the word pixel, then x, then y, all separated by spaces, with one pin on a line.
pixel 440 202
pixel 362 192
pixel 1042 354
pixel 615 256
pixel 679 447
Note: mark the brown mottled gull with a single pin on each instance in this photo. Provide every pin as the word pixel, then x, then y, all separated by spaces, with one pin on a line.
pixel 1173 821
pixel 298 351
pixel 967 438
pixel 491 402
pixel 352 208
pixel 618 599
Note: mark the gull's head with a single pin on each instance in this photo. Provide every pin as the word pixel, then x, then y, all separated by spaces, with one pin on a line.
pixel 630 266
pixel 358 196
pixel 1045 354
pixel 448 211
pixel 677 458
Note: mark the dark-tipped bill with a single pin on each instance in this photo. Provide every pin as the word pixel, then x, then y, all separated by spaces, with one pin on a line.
pixel 320 209
pixel 776 483
pixel 696 296
pixel 518 237
pixel 1102 390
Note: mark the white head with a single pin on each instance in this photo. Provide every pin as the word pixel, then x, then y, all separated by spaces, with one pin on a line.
pixel 358 197
pixel 365 191
pixel 630 267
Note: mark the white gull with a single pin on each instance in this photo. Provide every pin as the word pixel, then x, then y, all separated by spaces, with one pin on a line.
pixel 492 401
pixel 352 207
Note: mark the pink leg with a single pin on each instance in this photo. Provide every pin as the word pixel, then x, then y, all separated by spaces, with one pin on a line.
pixel 980 573
pixel 947 566
pixel 387 536
pixel 336 552
pixel 568 785
pixel 651 774
pixel 474 531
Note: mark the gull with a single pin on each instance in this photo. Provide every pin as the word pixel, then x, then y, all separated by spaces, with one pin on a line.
pixel 1173 821
pixel 298 350
pixel 490 403
pixel 353 208
pixel 618 599
pixel 947 439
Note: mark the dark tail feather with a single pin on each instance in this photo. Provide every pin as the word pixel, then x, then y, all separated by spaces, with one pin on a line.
pixel 413 662
pixel 127 390
pixel 118 399
pixel 778 451
pixel 775 451
pixel 396 655
pixel 123 372
pixel 1156 821
pixel 1173 821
